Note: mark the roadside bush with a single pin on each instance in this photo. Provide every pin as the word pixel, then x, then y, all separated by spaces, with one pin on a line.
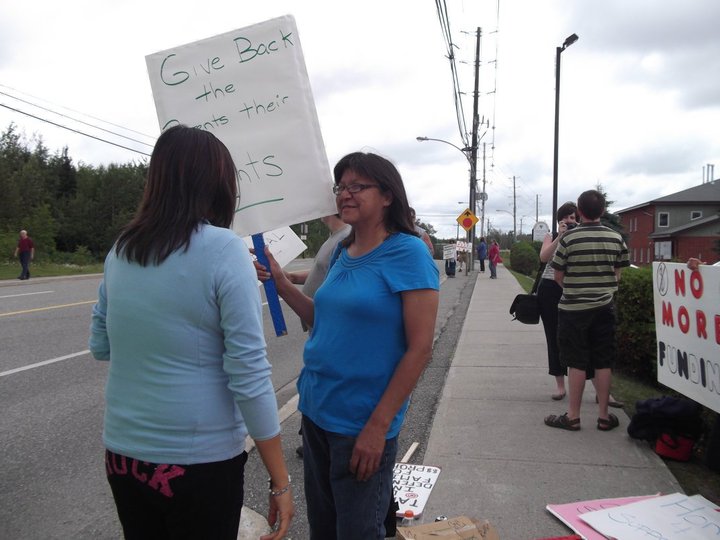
pixel 524 259
pixel 80 257
pixel 637 345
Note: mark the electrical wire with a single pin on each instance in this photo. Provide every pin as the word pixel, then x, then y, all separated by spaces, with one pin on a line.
pixel 73 130
pixel 75 119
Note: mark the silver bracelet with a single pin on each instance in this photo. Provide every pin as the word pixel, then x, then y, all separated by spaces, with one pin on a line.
pixel 279 491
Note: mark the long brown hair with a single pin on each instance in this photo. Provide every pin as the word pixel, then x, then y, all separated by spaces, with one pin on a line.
pixel 377 168
pixel 191 178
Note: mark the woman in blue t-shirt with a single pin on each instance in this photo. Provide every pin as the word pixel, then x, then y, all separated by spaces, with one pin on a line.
pixel 373 321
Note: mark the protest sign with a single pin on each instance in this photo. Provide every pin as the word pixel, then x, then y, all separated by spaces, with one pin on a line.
pixel 250 88
pixel 284 244
pixel 687 325
pixel 670 517
pixel 570 513
pixel 412 485
pixel 448 251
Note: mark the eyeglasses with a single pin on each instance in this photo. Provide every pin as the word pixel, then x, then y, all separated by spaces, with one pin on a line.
pixel 352 188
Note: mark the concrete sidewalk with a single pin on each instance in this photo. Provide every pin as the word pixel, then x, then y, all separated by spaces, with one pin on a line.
pixel 499 461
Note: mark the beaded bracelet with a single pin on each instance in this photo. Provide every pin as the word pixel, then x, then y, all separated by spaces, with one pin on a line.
pixel 279 491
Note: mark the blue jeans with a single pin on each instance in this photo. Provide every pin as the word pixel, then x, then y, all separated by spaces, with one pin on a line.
pixel 493 269
pixel 338 506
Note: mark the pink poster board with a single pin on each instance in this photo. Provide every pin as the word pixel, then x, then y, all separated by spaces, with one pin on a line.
pixel 569 513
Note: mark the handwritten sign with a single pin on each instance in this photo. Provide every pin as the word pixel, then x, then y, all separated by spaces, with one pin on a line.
pixel 284 244
pixel 250 88
pixel 412 485
pixel 569 513
pixel 670 517
pixel 448 251
pixel 687 325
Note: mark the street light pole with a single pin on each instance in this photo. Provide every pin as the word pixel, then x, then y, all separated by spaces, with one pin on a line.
pixel 558 50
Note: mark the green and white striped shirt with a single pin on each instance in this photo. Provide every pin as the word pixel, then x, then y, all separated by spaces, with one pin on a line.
pixel 589 255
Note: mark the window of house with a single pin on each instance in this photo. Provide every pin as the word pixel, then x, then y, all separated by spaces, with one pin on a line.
pixel 695 214
pixel 648 255
pixel 663 219
pixel 634 255
pixel 641 255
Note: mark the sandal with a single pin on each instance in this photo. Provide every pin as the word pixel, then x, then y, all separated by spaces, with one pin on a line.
pixel 606 425
pixel 558 396
pixel 562 422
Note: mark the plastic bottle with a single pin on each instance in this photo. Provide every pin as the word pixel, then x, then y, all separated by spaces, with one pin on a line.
pixel 408 519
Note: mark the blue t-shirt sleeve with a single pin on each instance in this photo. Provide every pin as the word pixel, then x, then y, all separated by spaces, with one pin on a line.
pixel 410 266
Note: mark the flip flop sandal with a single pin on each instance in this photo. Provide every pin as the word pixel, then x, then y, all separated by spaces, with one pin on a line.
pixel 562 422
pixel 606 425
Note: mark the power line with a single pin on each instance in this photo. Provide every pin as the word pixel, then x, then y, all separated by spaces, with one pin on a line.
pixel 71 129
pixel 75 119
pixel 153 137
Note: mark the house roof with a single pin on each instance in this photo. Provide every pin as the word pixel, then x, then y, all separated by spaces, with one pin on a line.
pixel 686 227
pixel 708 192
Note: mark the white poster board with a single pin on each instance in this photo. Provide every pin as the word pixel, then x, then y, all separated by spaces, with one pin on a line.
pixel 671 517
pixel 412 485
pixel 250 88
pixel 283 243
pixel 687 325
pixel 448 251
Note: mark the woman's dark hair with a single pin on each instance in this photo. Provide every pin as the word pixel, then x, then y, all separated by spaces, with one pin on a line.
pixel 191 178
pixel 377 168
pixel 565 210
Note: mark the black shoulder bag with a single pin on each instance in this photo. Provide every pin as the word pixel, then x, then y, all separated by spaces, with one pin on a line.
pixel 525 307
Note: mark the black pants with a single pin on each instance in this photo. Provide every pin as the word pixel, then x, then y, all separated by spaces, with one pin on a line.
pixel 164 502
pixel 548 296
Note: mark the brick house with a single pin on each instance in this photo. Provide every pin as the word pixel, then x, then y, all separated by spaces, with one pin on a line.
pixel 675 227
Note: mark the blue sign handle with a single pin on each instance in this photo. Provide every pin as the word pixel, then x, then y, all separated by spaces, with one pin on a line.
pixel 270 290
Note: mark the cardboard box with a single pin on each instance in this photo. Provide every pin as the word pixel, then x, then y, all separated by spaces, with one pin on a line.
pixel 455 528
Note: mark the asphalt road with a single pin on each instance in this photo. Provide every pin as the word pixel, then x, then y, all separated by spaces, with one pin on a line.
pixel 52 482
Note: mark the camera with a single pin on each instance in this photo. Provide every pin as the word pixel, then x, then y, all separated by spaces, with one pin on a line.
pixel 571 226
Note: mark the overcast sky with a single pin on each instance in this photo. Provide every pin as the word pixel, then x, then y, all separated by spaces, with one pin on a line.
pixel 640 89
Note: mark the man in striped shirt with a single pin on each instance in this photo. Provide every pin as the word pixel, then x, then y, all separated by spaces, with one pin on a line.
pixel 587 264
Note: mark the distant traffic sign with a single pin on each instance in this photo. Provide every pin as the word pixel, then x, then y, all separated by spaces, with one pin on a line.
pixel 467 219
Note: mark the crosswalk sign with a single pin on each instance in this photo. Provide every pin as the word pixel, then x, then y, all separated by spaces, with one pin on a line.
pixel 467 220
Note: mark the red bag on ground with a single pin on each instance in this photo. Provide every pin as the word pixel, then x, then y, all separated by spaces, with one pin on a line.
pixel 678 448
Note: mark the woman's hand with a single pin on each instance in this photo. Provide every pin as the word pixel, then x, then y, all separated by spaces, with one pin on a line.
pixel 280 514
pixel 367 453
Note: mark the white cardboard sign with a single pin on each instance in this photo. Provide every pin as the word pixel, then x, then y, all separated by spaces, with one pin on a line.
pixel 412 485
pixel 670 517
pixel 250 88
pixel 687 325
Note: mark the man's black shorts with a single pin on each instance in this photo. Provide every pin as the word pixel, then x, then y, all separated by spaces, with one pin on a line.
pixel 587 338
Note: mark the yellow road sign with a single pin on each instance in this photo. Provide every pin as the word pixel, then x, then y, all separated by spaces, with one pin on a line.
pixel 467 219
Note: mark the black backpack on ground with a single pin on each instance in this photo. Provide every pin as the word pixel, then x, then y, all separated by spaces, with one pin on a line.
pixel 677 417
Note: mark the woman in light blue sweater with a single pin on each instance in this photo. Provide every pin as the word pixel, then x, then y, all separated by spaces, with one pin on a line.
pixel 179 318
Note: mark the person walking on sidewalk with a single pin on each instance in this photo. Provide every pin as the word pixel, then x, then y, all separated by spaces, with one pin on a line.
pixel 494 259
pixel 372 321
pixel 482 253
pixel 588 264
pixel 26 251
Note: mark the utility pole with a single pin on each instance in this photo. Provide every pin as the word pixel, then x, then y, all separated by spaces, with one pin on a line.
pixel 484 198
pixel 514 213
pixel 473 155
